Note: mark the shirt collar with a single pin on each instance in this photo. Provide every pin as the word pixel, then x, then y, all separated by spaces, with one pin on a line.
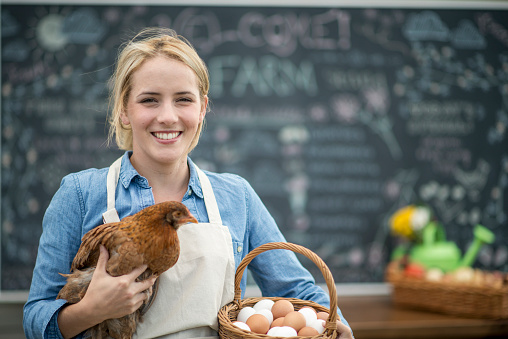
pixel 128 173
pixel 194 183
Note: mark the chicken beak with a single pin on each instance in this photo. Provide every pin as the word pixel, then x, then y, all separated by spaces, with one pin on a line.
pixel 190 219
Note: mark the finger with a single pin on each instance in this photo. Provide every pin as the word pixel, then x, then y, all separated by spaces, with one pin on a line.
pixel 136 302
pixel 103 258
pixel 145 284
pixel 344 330
pixel 141 298
pixel 136 272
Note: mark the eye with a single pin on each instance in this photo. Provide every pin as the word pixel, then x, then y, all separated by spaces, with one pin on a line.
pixel 148 100
pixel 184 100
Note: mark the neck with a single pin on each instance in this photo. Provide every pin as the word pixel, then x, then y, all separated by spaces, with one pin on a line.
pixel 169 181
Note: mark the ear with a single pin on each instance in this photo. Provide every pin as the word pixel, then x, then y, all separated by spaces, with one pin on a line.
pixel 204 105
pixel 124 118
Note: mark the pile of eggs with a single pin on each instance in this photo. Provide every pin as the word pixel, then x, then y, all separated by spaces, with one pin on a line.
pixel 280 319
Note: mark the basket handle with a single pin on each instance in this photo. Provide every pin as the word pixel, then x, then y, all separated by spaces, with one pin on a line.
pixel 330 283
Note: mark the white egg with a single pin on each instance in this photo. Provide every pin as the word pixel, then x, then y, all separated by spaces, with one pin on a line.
pixel 310 315
pixel 264 304
pixel 274 331
pixel 319 325
pixel 282 331
pixel 245 313
pixel 242 325
pixel 287 331
pixel 267 313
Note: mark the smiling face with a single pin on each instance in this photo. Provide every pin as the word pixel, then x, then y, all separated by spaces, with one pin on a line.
pixel 164 109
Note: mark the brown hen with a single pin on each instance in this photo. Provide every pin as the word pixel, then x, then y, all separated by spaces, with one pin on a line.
pixel 147 237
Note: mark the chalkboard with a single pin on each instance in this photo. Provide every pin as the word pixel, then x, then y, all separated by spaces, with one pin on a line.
pixel 337 117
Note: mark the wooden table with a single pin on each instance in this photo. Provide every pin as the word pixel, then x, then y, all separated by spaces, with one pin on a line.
pixel 375 317
pixel 371 317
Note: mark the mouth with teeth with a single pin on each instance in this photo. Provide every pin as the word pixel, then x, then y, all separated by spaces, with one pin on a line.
pixel 166 135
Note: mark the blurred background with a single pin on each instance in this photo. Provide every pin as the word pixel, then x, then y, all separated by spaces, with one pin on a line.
pixel 338 113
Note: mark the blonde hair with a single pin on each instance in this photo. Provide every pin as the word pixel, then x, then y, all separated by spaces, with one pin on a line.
pixel 147 44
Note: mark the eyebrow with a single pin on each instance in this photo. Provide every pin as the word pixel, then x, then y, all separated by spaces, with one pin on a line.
pixel 185 93
pixel 148 93
pixel 157 93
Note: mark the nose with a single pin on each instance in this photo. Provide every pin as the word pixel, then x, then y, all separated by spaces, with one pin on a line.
pixel 167 114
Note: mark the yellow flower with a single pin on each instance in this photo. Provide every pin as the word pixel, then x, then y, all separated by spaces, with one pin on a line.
pixel 409 220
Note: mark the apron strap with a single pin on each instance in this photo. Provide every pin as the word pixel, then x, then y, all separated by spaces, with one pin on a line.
pixel 111 215
pixel 209 196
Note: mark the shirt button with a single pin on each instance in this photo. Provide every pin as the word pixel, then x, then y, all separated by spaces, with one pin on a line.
pixel 190 192
pixel 239 249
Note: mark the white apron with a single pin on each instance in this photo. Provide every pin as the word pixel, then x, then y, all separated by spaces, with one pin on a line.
pixel 190 293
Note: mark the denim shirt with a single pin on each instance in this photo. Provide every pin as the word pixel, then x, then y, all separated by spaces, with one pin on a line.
pixel 78 205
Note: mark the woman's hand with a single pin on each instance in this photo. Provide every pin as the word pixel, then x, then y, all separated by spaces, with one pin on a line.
pixel 344 330
pixel 107 297
pixel 114 297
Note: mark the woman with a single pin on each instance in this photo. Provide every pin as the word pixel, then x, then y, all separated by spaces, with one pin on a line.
pixel 160 100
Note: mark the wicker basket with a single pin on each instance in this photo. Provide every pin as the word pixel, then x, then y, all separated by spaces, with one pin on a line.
pixel 449 298
pixel 228 314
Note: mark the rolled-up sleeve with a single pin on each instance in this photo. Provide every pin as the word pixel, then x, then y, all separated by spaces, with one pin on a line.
pixel 60 240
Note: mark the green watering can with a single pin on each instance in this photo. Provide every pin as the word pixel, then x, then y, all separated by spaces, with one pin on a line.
pixel 435 251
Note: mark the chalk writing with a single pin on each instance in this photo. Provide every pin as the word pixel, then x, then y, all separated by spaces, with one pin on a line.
pixel 341 152
pixel 83 26
pixel 467 36
pixel 432 117
pixel 281 33
pixel 426 25
pixel 356 80
pixel 17 74
pixel 487 24
pixel 337 117
pixel 444 153
pixel 350 167
pixel 267 116
pixel 267 76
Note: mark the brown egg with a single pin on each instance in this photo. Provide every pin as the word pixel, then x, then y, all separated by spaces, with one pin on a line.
pixel 281 308
pixel 277 322
pixel 295 320
pixel 308 331
pixel 258 323
pixel 323 315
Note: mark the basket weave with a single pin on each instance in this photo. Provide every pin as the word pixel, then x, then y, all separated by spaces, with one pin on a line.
pixel 449 298
pixel 228 313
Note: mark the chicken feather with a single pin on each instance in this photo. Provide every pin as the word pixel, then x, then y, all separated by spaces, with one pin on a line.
pixel 147 237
